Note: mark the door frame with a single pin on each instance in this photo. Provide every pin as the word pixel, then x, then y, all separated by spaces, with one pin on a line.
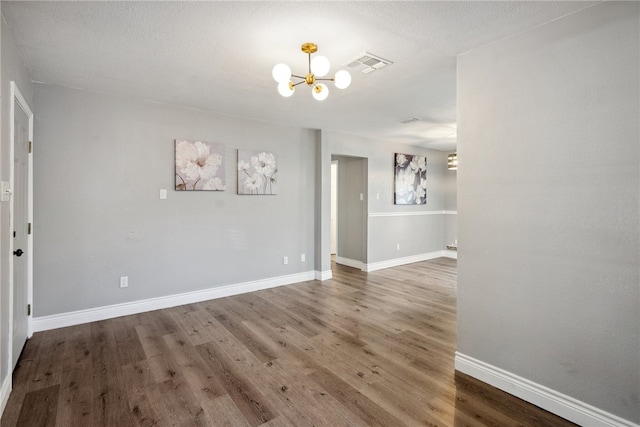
pixel 334 197
pixel 364 198
pixel 16 97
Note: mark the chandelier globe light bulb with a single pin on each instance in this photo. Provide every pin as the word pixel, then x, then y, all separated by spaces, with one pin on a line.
pixel 320 66
pixel 281 73
pixel 286 89
pixel 320 91
pixel 342 79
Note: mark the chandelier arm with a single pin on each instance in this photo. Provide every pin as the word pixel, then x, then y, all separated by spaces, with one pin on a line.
pixel 299 77
pixel 328 80
pixel 299 83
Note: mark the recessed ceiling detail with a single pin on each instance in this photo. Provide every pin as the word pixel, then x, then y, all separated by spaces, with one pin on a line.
pixel 368 63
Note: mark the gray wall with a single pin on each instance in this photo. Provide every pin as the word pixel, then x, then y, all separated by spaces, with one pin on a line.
pixel 12 69
pixel 99 166
pixel 352 212
pixel 450 205
pixel 548 265
pixel 322 215
pixel 389 224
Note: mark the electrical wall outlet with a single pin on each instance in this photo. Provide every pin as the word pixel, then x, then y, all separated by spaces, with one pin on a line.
pixel 398 246
pixel 124 282
pixel 285 260
pixel 303 257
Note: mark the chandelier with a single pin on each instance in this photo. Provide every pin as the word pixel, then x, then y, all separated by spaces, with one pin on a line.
pixel 318 67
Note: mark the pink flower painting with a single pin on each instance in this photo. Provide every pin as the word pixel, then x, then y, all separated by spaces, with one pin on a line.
pixel 199 166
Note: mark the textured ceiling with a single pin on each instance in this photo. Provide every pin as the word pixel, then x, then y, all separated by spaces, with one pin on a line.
pixel 218 55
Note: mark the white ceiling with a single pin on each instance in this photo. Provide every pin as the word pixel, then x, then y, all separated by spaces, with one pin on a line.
pixel 218 55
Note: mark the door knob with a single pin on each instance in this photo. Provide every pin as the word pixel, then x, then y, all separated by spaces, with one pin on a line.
pixel 18 252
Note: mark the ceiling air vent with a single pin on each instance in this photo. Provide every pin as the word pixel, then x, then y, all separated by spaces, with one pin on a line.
pixel 368 63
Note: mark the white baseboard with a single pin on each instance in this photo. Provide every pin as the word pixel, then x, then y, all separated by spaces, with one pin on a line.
pixel 350 262
pixel 406 260
pixel 450 254
pixel 557 403
pixel 323 275
pixel 61 320
pixel 4 393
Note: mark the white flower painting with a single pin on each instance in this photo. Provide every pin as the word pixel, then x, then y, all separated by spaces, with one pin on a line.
pixel 410 179
pixel 199 166
pixel 257 172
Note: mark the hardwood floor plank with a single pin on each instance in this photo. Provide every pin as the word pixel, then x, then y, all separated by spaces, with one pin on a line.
pixel 310 400
pixel 223 412
pixel 150 342
pixel 127 341
pixel 247 317
pixel 280 317
pixel 234 325
pixel 143 396
pixel 371 413
pixel 317 316
pixel 110 405
pixel 39 408
pixel 194 369
pixel 361 349
pixel 75 404
pixel 244 394
pixel 193 327
pixel 47 369
pixel 179 403
pixel 377 379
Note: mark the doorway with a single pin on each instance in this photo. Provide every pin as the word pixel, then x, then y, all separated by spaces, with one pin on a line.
pixel 351 210
pixel 21 208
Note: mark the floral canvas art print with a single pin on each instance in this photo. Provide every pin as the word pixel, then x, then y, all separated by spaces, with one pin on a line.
pixel 410 179
pixel 199 166
pixel 257 172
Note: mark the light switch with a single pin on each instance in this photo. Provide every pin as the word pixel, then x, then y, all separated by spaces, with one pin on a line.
pixel 163 194
pixel 5 193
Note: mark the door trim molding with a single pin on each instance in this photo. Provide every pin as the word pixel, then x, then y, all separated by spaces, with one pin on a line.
pixel 16 97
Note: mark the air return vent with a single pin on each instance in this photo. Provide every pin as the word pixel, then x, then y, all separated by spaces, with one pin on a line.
pixel 368 63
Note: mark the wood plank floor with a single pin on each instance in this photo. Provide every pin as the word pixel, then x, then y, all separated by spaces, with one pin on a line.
pixel 362 349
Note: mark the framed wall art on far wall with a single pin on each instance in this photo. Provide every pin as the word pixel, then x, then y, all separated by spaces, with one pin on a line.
pixel 199 166
pixel 410 175
pixel 257 172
